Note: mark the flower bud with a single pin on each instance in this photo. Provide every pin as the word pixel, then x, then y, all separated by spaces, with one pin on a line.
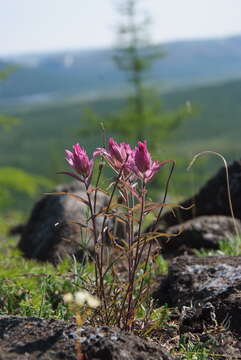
pixel 142 157
pixel 78 159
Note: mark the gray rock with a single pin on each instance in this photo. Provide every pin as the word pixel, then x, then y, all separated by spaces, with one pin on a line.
pixel 204 232
pixel 35 338
pixel 50 233
pixel 212 199
pixel 194 282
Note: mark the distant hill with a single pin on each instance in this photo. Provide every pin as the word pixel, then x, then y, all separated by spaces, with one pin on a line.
pixel 92 72
pixel 217 114
pixel 46 130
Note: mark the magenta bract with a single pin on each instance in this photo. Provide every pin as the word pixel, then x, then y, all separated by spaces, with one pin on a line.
pixel 142 164
pixel 79 160
pixel 135 163
pixel 116 155
pixel 142 157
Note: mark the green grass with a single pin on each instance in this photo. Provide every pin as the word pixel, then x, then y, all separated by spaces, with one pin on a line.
pixel 230 246
pixel 196 351
pixel 31 288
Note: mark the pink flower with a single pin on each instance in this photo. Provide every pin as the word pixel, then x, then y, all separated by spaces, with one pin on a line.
pixel 78 159
pixel 142 164
pixel 116 155
pixel 142 157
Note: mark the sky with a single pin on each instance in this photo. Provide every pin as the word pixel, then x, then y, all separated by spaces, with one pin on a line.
pixel 28 26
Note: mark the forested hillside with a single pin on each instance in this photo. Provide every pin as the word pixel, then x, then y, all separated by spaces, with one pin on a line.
pixel 46 130
pixel 92 72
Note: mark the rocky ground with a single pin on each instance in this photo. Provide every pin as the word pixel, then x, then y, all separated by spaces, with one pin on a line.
pixel 204 293
pixel 34 338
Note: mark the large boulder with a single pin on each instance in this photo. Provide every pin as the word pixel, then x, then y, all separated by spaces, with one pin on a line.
pixel 204 232
pixel 31 338
pixel 52 231
pixel 208 286
pixel 212 199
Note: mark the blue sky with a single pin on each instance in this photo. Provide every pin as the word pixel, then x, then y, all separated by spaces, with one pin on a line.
pixel 39 25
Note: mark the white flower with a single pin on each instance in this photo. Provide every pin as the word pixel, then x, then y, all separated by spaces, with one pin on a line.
pixel 83 297
pixel 93 301
pixel 68 298
pixel 80 297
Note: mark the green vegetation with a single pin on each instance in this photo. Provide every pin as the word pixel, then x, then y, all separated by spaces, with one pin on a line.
pixel 46 130
pixel 135 56
pixel 230 246
pixel 29 288
pixel 194 351
pixel 18 188
pixel 141 116
pixel 7 121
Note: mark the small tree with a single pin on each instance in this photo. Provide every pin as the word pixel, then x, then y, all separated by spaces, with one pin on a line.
pixel 143 117
pixel 135 55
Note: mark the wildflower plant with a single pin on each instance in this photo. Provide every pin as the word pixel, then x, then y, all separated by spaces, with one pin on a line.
pixel 120 293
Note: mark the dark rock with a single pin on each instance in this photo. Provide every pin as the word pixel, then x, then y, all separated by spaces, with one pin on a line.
pixel 195 319
pixel 204 232
pixel 108 344
pixel 195 282
pixel 17 229
pixel 50 233
pixel 33 338
pixel 212 199
pixel 226 346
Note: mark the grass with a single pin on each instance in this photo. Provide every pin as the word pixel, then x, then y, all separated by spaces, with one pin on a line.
pixel 193 351
pixel 28 288
pixel 31 288
pixel 230 246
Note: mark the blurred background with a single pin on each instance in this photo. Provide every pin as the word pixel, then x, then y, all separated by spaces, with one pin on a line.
pixel 165 71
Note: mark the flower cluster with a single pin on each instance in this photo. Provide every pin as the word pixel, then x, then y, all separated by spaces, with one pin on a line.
pixel 82 298
pixel 117 155
pixel 135 162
